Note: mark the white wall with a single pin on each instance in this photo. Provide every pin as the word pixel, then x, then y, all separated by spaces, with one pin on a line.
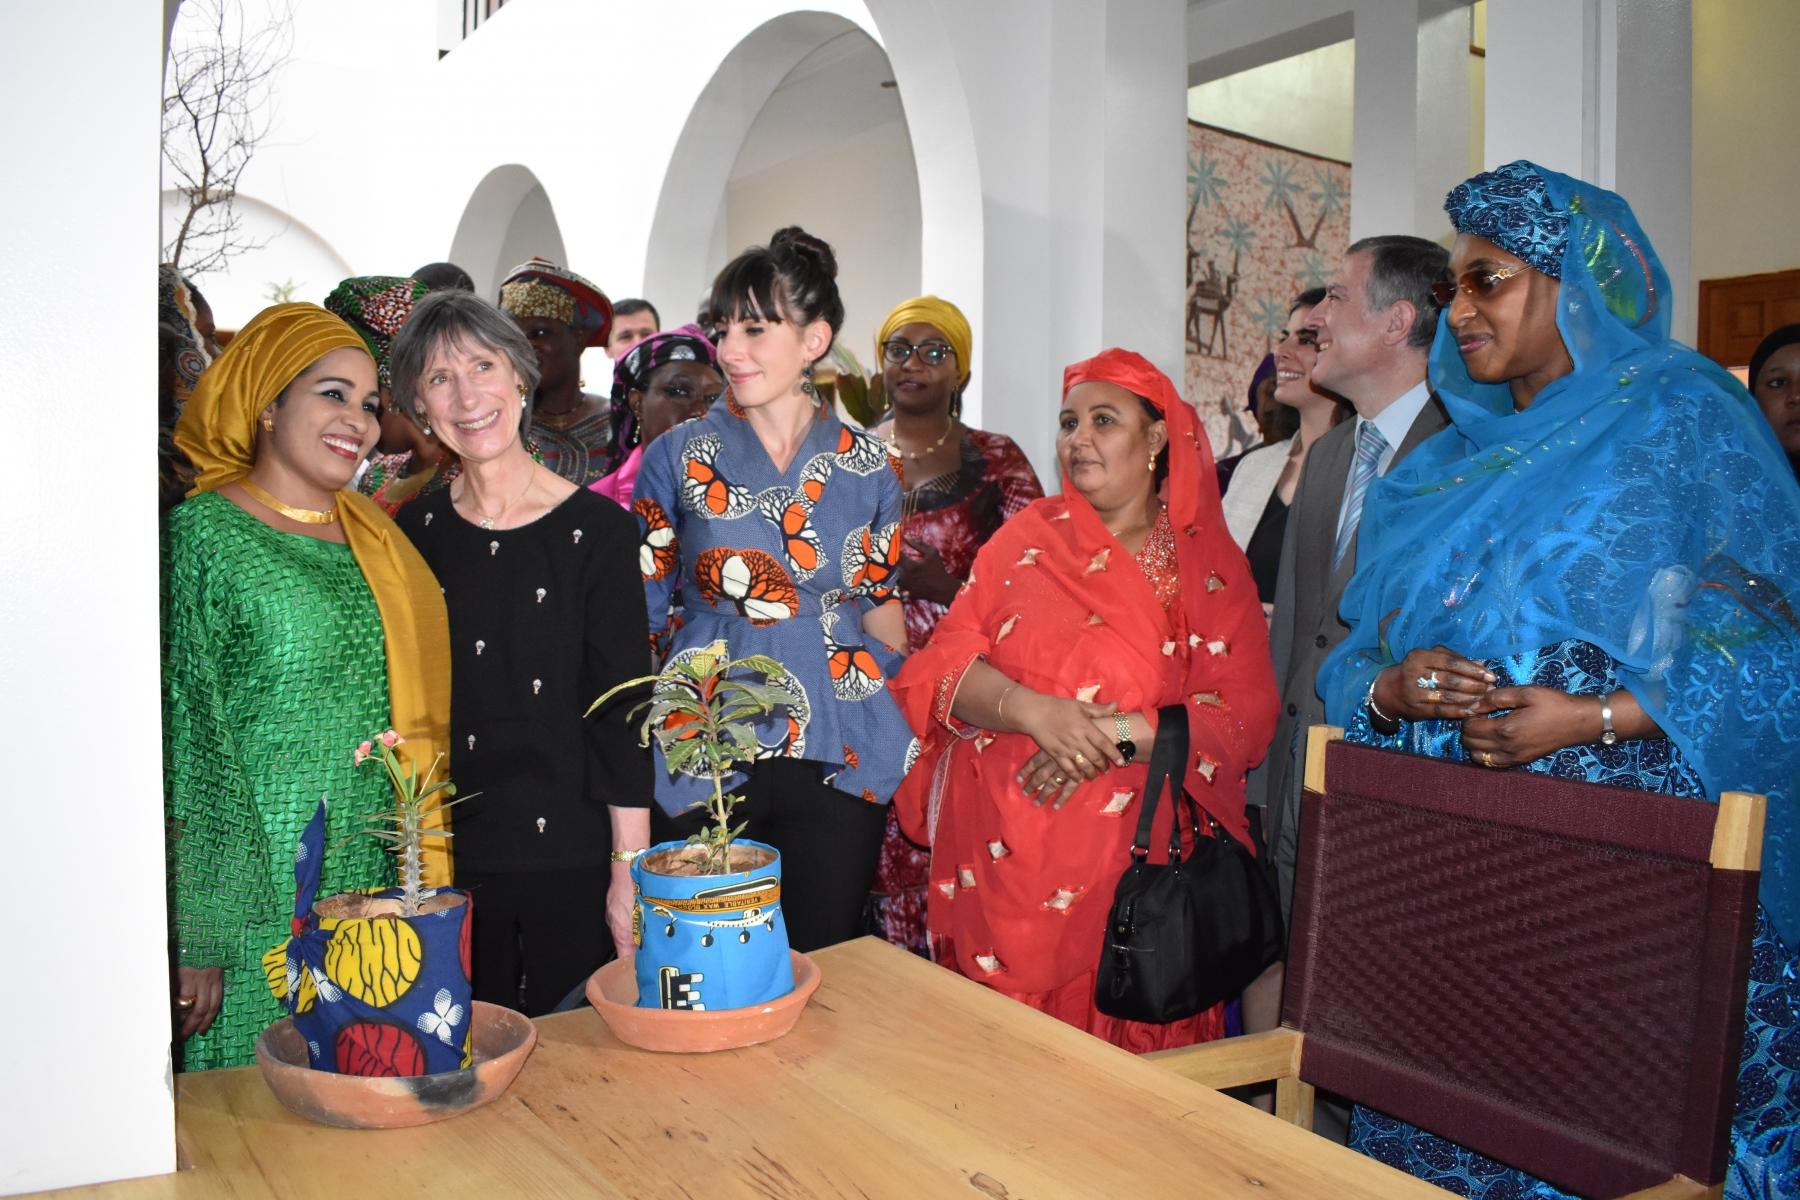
pixel 532 232
pixel 85 998
pixel 862 196
pixel 1746 111
pixel 1611 102
pixel 1411 82
pixel 290 254
pixel 830 152
pixel 1304 102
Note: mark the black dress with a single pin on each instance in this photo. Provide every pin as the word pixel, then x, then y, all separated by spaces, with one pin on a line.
pixel 1264 550
pixel 543 619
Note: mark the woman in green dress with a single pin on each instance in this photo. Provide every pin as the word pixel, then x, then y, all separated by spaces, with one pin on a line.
pixel 297 620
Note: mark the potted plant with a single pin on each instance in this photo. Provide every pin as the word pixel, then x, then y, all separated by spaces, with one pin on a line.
pixel 708 926
pixel 377 983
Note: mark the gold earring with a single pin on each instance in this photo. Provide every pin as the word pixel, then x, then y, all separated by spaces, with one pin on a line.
pixel 268 424
pixel 521 391
pixel 1153 464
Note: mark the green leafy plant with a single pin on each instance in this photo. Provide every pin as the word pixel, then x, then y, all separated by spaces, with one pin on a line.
pixel 414 799
pixel 701 712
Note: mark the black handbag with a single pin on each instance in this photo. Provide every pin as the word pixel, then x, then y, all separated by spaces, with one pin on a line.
pixel 1185 934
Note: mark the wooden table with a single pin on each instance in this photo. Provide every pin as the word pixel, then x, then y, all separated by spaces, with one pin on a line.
pixel 902 1079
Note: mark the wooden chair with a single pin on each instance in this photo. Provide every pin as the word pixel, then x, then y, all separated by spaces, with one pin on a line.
pixel 1547 972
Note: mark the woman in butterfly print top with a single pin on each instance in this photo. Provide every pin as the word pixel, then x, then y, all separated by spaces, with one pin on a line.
pixel 775 527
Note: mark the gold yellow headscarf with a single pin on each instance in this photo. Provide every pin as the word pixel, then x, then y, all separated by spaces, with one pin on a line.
pixel 941 315
pixel 217 431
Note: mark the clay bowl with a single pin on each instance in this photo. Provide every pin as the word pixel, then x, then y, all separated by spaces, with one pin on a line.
pixel 613 991
pixel 503 1041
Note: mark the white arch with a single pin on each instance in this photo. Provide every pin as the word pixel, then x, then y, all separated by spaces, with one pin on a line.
pixel 487 220
pixel 937 117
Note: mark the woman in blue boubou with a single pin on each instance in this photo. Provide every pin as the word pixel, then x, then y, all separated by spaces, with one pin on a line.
pixel 1593 573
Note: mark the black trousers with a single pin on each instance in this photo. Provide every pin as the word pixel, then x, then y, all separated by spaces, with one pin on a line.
pixel 537 935
pixel 829 842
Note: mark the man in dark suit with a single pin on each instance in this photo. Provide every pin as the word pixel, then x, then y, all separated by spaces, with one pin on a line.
pixel 1374 329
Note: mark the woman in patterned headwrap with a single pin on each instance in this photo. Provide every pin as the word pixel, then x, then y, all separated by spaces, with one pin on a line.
pixel 183 356
pixel 296 621
pixel 961 483
pixel 408 461
pixel 1593 574
pixel 562 314
pixel 660 382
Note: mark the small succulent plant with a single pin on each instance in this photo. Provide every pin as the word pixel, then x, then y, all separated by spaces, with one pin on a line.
pixel 402 827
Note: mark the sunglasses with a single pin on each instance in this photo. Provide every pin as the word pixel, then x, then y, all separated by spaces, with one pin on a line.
pixel 896 352
pixel 1477 283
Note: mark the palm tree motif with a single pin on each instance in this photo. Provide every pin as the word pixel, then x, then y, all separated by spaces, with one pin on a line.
pixel 1237 234
pixel 1270 316
pixel 1331 196
pixel 1314 271
pixel 1206 186
pixel 1278 177
pixel 1284 190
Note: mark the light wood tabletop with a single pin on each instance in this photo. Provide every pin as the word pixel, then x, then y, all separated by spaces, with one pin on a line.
pixel 902 1079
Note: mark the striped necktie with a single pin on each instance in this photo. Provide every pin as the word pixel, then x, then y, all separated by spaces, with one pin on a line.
pixel 1369 446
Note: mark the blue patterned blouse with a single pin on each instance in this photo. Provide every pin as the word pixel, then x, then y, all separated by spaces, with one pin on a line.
pixel 782 563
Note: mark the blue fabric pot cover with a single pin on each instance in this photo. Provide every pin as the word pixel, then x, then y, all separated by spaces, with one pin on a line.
pixel 373 995
pixel 710 941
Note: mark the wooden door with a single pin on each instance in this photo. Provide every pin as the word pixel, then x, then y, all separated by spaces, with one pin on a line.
pixel 1736 314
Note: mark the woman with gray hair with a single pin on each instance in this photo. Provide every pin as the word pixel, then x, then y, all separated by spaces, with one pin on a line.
pixel 546 612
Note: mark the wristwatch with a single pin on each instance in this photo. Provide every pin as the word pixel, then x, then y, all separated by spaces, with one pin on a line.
pixel 1122 732
pixel 627 855
pixel 1607 736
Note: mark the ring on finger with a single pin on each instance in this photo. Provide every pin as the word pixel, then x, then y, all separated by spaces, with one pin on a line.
pixel 1427 683
pixel 1486 757
pixel 1080 759
pixel 1434 696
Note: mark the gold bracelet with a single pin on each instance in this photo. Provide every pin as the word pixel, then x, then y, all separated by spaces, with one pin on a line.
pixel 627 855
pixel 1000 708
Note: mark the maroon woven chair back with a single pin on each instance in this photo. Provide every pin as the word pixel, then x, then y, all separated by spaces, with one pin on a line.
pixel 1547 972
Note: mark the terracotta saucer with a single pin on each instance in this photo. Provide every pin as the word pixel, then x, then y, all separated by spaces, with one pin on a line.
pixel 613 991
pixel 503 1041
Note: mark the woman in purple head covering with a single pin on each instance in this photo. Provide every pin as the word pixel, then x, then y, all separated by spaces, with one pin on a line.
pixel 667 378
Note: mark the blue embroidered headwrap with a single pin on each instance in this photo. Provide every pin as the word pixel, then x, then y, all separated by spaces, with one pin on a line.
pixel 1510 206
pixel 1640 505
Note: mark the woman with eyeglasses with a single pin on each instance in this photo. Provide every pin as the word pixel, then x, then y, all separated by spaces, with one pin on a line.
pixel 961 484
pixel 1593 573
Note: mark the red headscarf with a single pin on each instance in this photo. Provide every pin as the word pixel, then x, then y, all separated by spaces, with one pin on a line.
pixel 1192 491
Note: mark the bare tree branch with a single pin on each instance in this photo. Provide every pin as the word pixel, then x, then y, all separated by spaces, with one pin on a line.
pixel 218 104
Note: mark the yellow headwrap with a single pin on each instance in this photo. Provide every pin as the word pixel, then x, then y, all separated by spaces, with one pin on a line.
pixel 217 431
pixel 941 315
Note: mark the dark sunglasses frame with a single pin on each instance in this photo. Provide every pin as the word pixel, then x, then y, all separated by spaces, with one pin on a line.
pixel 895 352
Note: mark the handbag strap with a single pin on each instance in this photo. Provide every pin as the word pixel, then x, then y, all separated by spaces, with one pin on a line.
pixel 1168 762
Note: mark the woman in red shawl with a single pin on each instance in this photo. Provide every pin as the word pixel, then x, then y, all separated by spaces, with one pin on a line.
pixel 1036 699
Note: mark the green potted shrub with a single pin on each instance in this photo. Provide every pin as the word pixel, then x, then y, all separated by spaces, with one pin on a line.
pixel 708 928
